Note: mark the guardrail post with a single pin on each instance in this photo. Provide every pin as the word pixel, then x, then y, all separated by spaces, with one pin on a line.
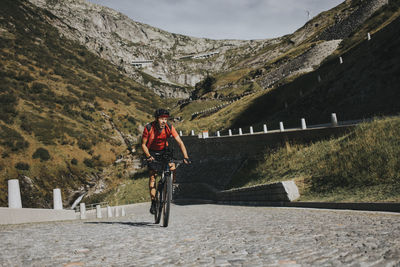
pixel 57 200
pixel 303 124
pixel 192 133
pixel 230 132
pixel 368 36
pixel 14 194
pixel 281 128
pixel 116 212
pixel 109 212
pixel 340 60
pixel 265 128
pixel 240 131
pixel 82 209
pixel 98 211
pixel 123 213
pixel 218 134
pixel 251 130
pixel 180 133
pixel 334 119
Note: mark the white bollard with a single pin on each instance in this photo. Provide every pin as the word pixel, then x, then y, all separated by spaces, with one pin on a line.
pixel 123 213
pixel 192 133
pixel 240 131
pixel 265 128
pixel 116 212
pixel 251 130
pixel 218 134
pixel 180 133
pixel 303 124
pixel 14 194
pixel 368 36
pixel 109 212
pixel 57 200
pixel 334 119
pixel 82 210
pixel 230 132
pixel 98 212
pixel 281 128
pixel 340 60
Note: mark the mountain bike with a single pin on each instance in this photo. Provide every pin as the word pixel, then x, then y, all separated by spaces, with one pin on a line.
pixel 164 189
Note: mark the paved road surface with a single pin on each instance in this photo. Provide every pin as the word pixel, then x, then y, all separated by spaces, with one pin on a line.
pixel 210 235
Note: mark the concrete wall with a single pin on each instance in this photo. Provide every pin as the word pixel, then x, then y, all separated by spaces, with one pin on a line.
pixel 217 159
pixel 23 215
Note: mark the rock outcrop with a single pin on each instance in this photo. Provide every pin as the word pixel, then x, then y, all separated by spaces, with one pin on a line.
pixel 120 40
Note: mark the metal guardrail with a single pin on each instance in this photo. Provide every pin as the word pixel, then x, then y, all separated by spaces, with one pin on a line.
pixel 92 206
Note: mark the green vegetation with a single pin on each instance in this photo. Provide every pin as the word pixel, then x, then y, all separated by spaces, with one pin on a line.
pixel 42 154
pixel 364 161
pixel 203 87
pixel 12 140
pixel 129 190
pixel 22 166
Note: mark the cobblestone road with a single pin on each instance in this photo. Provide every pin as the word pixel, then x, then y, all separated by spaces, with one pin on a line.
pixel 210 235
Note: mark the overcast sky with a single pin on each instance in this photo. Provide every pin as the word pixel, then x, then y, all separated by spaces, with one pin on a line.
pixel 222 19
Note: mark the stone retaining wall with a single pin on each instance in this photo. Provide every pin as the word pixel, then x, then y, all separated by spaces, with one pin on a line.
pixel 217 159
pixel 282 192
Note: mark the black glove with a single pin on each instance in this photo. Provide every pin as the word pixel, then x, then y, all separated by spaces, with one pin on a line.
pixel 187 161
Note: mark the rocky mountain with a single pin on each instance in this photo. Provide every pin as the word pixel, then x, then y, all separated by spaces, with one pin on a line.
pixel 173 65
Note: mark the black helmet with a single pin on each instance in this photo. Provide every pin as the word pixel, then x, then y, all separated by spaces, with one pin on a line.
pixel 161 113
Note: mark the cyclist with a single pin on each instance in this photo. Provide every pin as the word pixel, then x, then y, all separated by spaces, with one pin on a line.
pixel 154 141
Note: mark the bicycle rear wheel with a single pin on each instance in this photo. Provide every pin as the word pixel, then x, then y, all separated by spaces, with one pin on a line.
pixel 167 197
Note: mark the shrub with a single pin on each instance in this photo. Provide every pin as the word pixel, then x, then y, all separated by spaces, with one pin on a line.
pixel 131 120
pixel 22 166
pixel 74 161
pixel 84 144
pixel 38 87
pixel 8 103
pixel 203 87
pixel 41 153
pixel 89 162
pixel 25 77
pixel 12 139
pixel 86 116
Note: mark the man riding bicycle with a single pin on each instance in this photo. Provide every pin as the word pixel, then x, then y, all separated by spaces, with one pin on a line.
pixel 154 142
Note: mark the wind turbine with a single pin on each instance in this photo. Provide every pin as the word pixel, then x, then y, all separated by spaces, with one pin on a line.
pixel 308 14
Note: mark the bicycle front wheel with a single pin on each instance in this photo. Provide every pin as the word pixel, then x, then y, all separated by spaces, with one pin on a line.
pixel 159 202
pixel 167 197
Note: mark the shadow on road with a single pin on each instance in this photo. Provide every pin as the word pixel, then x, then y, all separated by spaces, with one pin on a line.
pixel 136 224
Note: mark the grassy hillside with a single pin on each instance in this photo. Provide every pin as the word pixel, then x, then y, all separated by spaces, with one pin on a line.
pixel 362 87
pixel 53 93
pixel 360 166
